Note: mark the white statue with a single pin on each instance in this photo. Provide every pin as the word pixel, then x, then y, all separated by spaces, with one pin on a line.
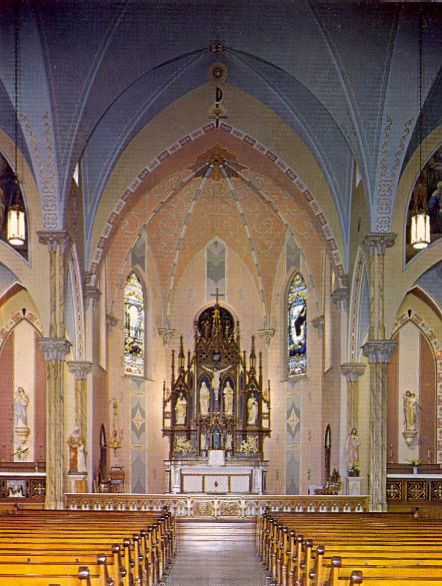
pixel 216 376
pixel 180 410
pixel 252 410
pixel 204 398
pixel 228 398
pixel 21 407
pixel 77 456
pixel 352 448
pixel 410 411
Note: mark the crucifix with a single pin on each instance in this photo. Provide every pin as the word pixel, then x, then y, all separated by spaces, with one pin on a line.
pixel 217 294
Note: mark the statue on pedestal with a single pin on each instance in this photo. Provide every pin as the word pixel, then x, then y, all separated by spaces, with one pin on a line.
pixel 204 398
pixel 352 449
pixel 228 398
pixel 252 410
pixel 410 411
pixel 180 410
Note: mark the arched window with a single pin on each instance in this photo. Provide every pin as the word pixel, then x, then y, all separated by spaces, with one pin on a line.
pixel 297 326
pixel 134 326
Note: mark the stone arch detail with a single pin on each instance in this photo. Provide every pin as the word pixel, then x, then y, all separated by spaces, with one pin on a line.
pixel 437 348
pixel 118 209
pixel 355 299
pixel 15 319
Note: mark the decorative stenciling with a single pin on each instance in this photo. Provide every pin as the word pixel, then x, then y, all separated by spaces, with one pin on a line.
pixel 292 253
pixel 13 321
pixel 215 268
pixel 138 437
pixel 120 205
pixel 138 253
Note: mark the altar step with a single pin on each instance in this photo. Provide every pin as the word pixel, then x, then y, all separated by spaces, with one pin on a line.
pixel 216 554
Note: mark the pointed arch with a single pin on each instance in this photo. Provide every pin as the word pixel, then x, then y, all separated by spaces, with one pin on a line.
pixel 297 326
pixel 134 326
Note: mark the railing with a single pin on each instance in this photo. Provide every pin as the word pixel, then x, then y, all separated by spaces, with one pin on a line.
pixel 216 506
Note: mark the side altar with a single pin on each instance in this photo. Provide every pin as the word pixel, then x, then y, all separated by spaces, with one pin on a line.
pixel 216 412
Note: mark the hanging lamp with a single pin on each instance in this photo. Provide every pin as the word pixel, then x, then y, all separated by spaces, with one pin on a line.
pixel 16 224
pixel 420 219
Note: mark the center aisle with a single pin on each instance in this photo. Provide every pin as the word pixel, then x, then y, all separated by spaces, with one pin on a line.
pixel 216 554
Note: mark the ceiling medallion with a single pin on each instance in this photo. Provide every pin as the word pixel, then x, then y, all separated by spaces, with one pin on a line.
pixel 217 47
pixel 220 159
pixel 218 72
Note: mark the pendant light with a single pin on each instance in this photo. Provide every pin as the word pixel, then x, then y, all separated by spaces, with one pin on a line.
pixel 420 219
pixel 16 225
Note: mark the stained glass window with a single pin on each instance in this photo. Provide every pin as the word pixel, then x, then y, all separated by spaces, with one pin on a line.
pixel 133 326
pixel 297 326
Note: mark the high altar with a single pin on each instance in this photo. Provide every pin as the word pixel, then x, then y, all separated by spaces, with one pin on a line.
pixel 216 412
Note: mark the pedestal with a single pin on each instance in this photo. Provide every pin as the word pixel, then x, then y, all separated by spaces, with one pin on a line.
pixel 354 485
pixel 78 481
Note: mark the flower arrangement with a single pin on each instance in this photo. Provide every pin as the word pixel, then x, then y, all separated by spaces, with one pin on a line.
pixel 354 470
pixel 414 462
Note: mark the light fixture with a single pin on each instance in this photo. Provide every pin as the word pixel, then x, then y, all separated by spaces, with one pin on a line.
pixel 117 434
pixel 16 224
pixel 420 219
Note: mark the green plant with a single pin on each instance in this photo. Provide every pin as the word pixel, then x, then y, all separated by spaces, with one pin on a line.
pixel 415 462
pixel 355 469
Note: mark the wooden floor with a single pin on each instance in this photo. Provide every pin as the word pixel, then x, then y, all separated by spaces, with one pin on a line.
pixel 216 554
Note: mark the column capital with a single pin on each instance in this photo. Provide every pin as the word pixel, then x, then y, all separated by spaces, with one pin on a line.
pixel 166 333
pixel 378 241
pixel 340 297
pixel 54 238
pixel 111 321
pixel 54 348
pixel 80 368
pixel 379 351
pixel 91 293
pixel 352 371
pixel 318 322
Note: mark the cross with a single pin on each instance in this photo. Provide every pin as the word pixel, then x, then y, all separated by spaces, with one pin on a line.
pixel 217 294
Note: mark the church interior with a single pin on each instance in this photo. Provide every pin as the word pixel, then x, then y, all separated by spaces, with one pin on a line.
pixel 221 263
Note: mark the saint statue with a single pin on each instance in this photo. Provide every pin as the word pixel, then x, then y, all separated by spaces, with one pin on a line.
pixel 204 398
pixel 352 448
pixel 252 410
pixel 410 411
pixel 180 410
pixel 21 408
pixel 228 398
pixel 77 456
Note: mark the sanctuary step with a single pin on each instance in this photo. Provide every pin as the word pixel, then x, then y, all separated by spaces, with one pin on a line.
pixel 216 554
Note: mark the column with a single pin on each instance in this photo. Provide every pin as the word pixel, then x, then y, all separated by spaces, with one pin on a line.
pixel 378 351
pixel 352 372
pixel 55 348
pixel 54 351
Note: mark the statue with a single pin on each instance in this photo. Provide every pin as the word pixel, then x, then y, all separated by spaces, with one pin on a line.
pixel 77 455
pixel 216 376
pixel 252 410
pixel 228 398
pixel 410 411
pixel 21 408
pixel 204 398
pixel 180 410
pixel 352 448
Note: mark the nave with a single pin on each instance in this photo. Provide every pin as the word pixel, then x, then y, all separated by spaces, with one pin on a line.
pixel 216 554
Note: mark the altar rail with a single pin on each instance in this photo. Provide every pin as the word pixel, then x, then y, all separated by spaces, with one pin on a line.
pixel 216 506
pixel 414 489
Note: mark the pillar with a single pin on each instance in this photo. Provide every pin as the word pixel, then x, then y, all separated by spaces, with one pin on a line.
pixel 352 372
pixel 80 370
pixel 55 348
pixel 378 351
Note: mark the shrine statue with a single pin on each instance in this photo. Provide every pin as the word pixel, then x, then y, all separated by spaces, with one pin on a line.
pixel 228 398
pixel 204 398
pixel 252 410
pixel 410 411
pixel 180 410
pixel 21 407
pixel 77 455
pixel 352 448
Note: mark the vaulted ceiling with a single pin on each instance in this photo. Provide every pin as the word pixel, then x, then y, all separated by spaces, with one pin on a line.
pixel 343 77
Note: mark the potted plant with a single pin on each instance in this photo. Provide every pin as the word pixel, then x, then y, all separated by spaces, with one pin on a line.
pixel 354 470
pixel 415 463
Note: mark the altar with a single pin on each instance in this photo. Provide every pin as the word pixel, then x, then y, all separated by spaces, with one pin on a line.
pixel 215 476
pixel 216 413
